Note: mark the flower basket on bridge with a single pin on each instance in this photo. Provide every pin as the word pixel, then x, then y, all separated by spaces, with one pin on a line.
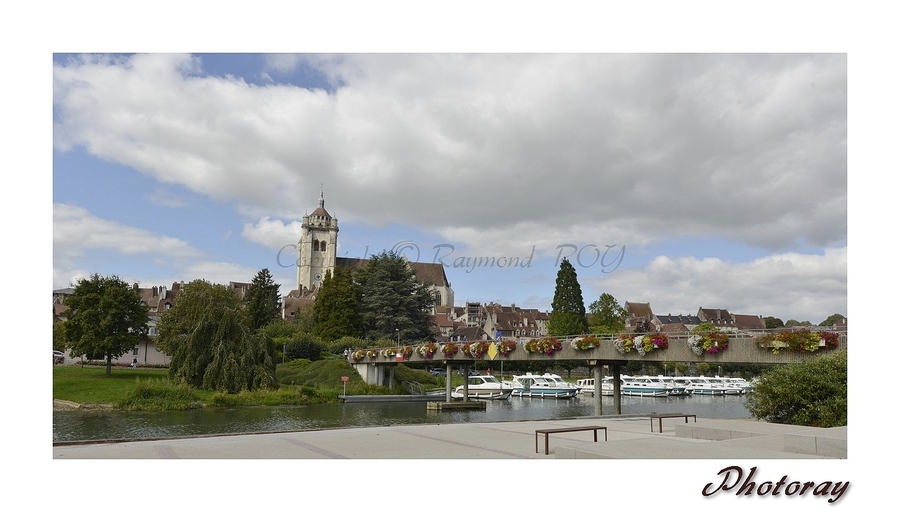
pixel 585 342
pixel 801 340
pixel 406 352
pixel 641 343
pixel 475 349
pixel 506 347
pixel 708 343
pixel 449 349
pixel 389 352
pixel 427 350
pixel 546 346
pixel 358 355
pixel 372 354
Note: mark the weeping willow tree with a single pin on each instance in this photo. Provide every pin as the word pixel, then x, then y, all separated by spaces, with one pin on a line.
pixel 208 336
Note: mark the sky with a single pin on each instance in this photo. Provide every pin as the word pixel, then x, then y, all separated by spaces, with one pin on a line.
pixel 686 180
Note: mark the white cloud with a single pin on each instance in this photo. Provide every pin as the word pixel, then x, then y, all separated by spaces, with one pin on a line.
pixel 272 234
pixel 76 232
pixel 747 147
pixel 787 285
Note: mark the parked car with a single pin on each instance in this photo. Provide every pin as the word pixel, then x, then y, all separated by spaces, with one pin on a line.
pixel 438 372
pixel 471 373
pixel 58 357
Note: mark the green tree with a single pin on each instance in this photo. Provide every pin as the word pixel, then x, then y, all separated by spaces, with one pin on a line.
pixel 772 322
pixel 797 323
pixel 833 319
pixel 607 316
pixel 336 310
pixel 263 300
pixel 812 393
pixel 105 319
pixel 567 316
pixel 207 335
pixel 393 303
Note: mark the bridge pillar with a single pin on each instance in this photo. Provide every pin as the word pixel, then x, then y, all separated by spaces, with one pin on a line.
pixel 598 388
pixel 370 373
pixel 617 387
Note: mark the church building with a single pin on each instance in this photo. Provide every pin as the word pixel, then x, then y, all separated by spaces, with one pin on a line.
pixel 317 254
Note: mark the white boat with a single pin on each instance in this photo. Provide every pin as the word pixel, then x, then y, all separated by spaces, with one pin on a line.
pixel 538 386
pixel 560 382
pixel 706 386
pixel 642 386
pixel 733 385
pixel 672 388
pixel 586 387
pixel 483 387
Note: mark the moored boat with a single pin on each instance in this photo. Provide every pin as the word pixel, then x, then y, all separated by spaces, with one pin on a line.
pixel 706 386
pixel 586 387
pixel 642 386
pixel 483 387
pixel 537 386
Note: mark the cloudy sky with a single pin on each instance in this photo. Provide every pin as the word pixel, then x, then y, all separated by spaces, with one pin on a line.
pixel 682 180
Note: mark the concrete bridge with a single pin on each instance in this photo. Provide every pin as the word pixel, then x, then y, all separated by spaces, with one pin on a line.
pixel 376 367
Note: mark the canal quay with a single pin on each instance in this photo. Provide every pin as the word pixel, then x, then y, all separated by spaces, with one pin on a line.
pixel 627 437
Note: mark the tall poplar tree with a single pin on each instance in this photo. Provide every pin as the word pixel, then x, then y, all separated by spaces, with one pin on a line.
pixel 567 316
pixel 263 300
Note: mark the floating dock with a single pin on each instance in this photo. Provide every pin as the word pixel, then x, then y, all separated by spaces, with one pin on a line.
pixel 458 405
pixel 391 398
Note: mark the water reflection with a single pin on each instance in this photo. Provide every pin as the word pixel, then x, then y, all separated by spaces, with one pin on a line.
pixel 102 425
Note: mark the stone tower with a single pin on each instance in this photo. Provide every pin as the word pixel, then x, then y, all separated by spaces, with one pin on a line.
pixel 318 247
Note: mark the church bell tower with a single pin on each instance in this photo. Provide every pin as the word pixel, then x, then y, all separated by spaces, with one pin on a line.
pixel 318 247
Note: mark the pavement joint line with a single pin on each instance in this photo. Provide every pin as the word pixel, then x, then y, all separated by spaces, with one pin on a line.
pixel 165 451
pixel 315 449
pixel 467 445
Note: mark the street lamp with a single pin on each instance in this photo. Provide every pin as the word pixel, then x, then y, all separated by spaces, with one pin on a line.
pixel 398 336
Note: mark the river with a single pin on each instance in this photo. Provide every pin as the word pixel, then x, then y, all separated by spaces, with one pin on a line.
pixel 96 425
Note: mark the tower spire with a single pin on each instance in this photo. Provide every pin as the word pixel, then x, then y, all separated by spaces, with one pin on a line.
pixel 322 198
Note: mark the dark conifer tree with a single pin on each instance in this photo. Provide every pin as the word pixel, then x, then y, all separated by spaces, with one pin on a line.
pixel 567 316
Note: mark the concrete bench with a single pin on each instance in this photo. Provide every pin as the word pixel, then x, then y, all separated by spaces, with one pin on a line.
pixel 660 417
pixel 548 431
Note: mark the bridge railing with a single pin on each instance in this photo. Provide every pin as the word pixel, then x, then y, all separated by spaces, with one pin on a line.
pixel 742 347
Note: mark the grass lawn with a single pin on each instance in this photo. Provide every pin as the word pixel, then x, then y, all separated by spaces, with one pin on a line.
pixel 90 384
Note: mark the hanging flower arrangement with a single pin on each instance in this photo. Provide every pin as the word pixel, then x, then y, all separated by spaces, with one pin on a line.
pixel 449 349
pixel 427 350
pixel 406 352
pixel 357 355
pixel 802 340
pixel 506 347
pixel 641 343
pixel 372 354
pixel 660 340
pixel 475 349
pixel 546 346
pixel 624 343
pixel 585 342
pixel 389 352
pixel 708 342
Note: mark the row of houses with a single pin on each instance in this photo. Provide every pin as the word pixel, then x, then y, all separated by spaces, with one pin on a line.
pixel 471 322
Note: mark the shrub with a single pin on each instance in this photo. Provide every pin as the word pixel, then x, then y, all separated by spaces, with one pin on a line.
pixel 159 395
pixel 812 393
pixel 304 349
